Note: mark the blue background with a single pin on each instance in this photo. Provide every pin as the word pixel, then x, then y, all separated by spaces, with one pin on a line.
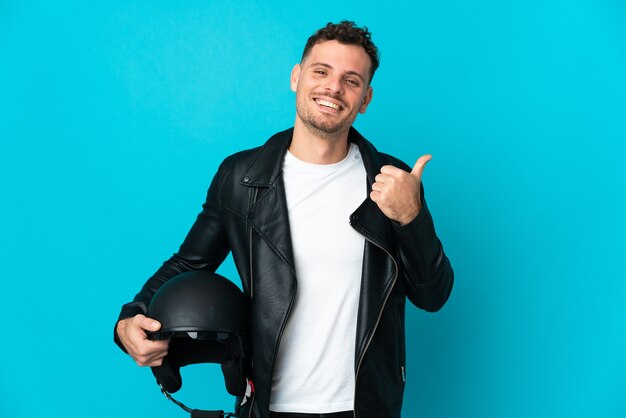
pixel 114 116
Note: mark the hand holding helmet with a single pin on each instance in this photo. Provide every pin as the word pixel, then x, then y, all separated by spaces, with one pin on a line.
pixel 133 335
pixel 195 317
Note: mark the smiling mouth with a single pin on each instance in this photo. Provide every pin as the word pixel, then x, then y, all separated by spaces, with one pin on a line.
pixel 328 104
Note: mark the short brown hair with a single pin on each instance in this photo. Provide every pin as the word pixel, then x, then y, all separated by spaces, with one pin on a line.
pixel 347 33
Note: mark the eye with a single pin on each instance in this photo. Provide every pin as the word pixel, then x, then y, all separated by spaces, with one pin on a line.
pixel 352 82
pixel 319 72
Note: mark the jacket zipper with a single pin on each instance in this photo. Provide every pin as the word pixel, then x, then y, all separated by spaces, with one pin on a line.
pixel 400 350
pixel 282 326
pixel 369 340
pixel 256 192
pixel 280 337
pixel 251 405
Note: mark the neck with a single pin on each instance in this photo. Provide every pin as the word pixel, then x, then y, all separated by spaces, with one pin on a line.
pixel 315 148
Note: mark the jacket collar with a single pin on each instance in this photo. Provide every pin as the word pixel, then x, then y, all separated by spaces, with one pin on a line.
pixel 268 162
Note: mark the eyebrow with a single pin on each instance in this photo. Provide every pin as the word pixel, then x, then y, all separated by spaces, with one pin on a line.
pixel 323 64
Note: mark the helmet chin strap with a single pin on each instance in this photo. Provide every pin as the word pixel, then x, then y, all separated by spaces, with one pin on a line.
pixel 200 413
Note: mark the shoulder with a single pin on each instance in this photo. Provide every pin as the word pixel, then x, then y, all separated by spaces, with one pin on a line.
pixel 373 156
pixel 240 160
pixel 261 164
pixel 396 162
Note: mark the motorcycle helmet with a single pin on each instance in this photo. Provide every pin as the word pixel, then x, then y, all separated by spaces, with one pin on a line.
pixel 207 319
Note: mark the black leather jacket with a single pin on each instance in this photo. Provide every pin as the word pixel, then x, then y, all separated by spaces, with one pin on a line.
pixel 246 212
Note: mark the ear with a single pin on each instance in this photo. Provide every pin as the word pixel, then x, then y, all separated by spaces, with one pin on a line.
pixel 366 99
pixel 295 76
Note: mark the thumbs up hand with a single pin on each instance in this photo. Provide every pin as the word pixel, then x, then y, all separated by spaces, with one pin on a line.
pixel 397 193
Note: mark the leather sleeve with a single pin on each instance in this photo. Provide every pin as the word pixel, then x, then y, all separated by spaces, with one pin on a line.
pixel 425 267
pixel 204 248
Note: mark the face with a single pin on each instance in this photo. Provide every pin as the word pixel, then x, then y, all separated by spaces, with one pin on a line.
pixel 332 87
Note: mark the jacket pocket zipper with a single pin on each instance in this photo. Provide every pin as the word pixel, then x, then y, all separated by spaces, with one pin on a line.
pixel 400 350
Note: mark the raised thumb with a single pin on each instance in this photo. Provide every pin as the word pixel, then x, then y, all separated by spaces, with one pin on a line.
pixel 421 162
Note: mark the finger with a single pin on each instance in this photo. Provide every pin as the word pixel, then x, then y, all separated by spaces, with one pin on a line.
pixel 158 345
pixel 146 352
pixel 378 186
pixel 155 362
pixel 135 336
pixel 151 361
pixel 154 353
pixel 392 171
pixel 380 177
pixel 421 162
pixel 146 323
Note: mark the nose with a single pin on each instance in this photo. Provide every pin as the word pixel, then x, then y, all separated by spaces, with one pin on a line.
pixel 334 85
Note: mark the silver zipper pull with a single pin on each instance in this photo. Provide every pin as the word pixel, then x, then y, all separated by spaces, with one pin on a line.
pixel 403 373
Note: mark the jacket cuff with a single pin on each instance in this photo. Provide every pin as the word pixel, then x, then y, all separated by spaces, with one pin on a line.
pixel 116 338
pixel 420 233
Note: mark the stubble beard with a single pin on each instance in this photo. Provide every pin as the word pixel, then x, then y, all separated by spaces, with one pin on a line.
pixel 320 125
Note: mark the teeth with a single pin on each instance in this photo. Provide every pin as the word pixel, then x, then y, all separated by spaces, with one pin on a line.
pixel 328 104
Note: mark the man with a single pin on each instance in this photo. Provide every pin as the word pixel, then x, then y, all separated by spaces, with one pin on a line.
pixel 329 237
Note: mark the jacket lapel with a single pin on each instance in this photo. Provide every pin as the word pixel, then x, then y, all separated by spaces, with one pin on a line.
pixel 268 214
pixel 374 225
pixel 380 271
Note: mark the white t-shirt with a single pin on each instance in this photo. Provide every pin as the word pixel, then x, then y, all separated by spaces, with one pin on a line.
pixel 314 371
